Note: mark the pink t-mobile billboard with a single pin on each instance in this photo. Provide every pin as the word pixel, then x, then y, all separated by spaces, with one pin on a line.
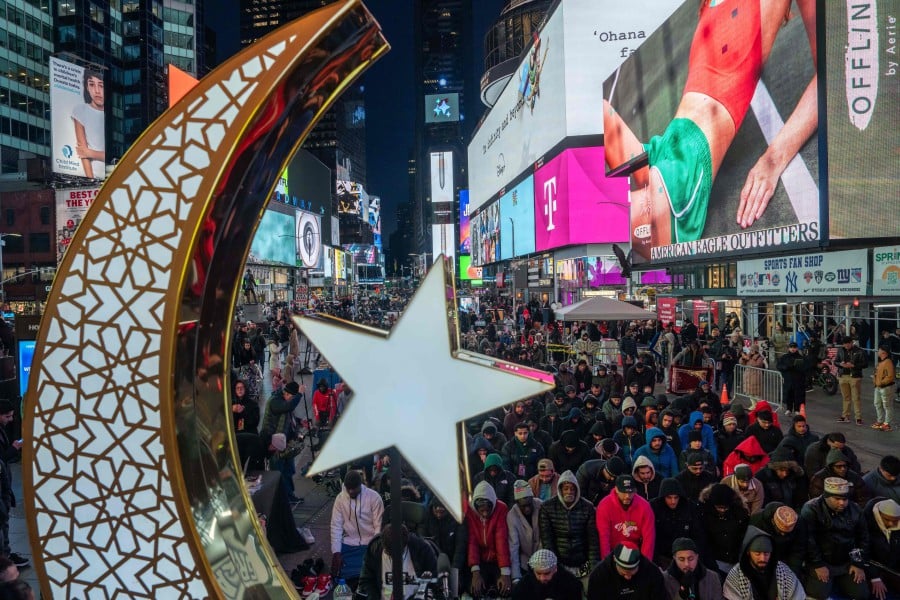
pixel 575 203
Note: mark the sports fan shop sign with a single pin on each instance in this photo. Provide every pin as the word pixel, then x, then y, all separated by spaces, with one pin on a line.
pixel 821 274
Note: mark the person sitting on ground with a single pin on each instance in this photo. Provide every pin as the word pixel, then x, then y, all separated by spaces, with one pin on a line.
pixel 885 479
pixel 686 577
pixel 646 479
pixel 784 480
pixel 749 452
pixel 839 466
pixel 725 518
pixel 758 575
pixel 569 452
pixel 787 531
pixel 629 439
pixel 883 521
pixel 814 461
pixel 490 433
pixel 695 446
pixel 835 527
pixel 675 516
pixel 764 430
pixel 626 573
pixel 544 484
pixel 798 439
pixel 747 486
pixel 728 436
pixel 625 517
pixel 498 478
pixel 524 532
pixel 597 477
pixel 551 423
pixel 695 477
pixel 708 437
pixel 522 453
pixel 418 558
pixel 569 529
pixel 488 548
pixel 546 581
pixel 658 451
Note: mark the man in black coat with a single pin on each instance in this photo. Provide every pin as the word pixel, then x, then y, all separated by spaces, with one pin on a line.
pixel 792 365
pixel 625 573
pixel 676 516
pixel 546 581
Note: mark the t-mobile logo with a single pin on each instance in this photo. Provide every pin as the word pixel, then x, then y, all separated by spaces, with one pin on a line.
pixel 550 202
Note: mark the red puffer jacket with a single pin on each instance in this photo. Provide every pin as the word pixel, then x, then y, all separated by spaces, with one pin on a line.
pixel 488 539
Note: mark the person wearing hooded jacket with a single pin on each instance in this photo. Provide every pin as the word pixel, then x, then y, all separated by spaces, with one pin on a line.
pixel 747 487
pixel 883 521
pixel 757 576
pixel 626 573
pixel 749 452
pixel 612 410
pixel 488 555
pixel 686 577
pixel 788 533
pixel 817 453
pixel 675 516
pixel 646 479
pixel 356 517
pixel 522 453
pixel 878 482
pixel 569 529
pixel 708 436
pixel 798 439
pixel 418 555
pixel 569 452
pixel 784 480
pixel 493 435
pixel 597 477
pixel 478 447
pixel 498 478
pixel 725 518
pixel 665 463
pixel 860 493
pixel 552 423
pixel 624 517
pixel 629 439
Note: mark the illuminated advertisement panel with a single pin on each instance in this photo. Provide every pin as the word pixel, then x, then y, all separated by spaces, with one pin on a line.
pixel 862 103
pixel 485 232
pixel 465 241
pixel 71 206
pixel 352 199
pixel 442 108
pixel 575 203
pixel 443 240
pixel 737 170
pixel 467 272
pixel 77 126
pixel 820 274
pixel 517 220
pixel 309 239
pixel 441 177
pixel 553 93
pixel 274 240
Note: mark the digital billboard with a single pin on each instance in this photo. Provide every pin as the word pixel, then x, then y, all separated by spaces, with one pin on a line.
pixel 352 199
pixel 468 272
pixel 442 108
pixel 465 241
pixel 274 240
pixel 443 240
pixel 575 203
pixel 553 93
pixel 309 239
pixel 363 254
pixel 485 232
pixel 517 220
pixel 862 102
pixel 77 127
pixel 25 355
pixel 442 187
pixel 71 206
pixel 715 119
pixel 328 262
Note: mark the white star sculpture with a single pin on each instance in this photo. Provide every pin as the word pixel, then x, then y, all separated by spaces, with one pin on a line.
pixel 413 386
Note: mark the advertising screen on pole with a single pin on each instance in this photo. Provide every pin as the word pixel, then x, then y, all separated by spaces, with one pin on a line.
pixel 274 241
pixel 715 119
pixel 485 232
pixel 77 128
pixel 517 220
pixel 862 101
pixel 553 93
pixel 71 206
pixel 575 203
pixel 442 108
pixel 443 240
pixel 465 242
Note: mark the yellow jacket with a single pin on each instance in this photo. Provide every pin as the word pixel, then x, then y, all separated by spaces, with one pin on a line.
pixel 884 373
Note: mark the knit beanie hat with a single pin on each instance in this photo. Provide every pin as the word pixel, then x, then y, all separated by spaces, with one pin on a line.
pixel 761 543
pixel 684 543
pixel 729 418
pixel 521 490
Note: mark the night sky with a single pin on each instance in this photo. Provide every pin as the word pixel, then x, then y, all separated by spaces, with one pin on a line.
pixel 390 88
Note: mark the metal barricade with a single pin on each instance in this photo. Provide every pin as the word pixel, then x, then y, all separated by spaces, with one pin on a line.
pixel 752 384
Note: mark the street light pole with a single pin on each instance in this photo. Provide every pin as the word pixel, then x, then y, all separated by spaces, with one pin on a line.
pixel 2 279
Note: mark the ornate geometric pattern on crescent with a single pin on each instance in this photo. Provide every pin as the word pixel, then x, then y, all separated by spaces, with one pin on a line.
pixel 106 518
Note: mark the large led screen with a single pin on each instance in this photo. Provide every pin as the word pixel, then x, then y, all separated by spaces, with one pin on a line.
pixel 862 106
pixel 443 241
pixel 517 220
pixel 352 199
pixel 575 203
pixel 309 240
pixel 78 130
pixel 274 241
pixel 441 177
pixel 468 272
pixel 553 93
pixel 442 108
pixel 485 229
pixel 715 118
pixel 465 241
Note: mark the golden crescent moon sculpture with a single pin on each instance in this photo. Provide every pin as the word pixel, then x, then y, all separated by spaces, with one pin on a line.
pixel 131 480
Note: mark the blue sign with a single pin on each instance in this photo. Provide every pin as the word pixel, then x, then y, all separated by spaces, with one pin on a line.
pixel 25 355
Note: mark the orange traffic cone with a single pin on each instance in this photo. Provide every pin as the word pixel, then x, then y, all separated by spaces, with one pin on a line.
pixel 724 398
pixel 803 410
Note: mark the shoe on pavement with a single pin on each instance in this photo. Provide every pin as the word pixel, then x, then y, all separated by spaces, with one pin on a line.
pixel 859 421
pixel 886 427
pixel 323 584
pixel 308 587
pixel 843 419
pixel 19 560
pixel 877 425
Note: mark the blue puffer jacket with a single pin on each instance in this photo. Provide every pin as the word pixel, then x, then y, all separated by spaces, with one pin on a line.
pixel 709 438
pixel 665 462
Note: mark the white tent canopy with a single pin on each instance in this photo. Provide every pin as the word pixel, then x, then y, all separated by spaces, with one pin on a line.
pixel 602 308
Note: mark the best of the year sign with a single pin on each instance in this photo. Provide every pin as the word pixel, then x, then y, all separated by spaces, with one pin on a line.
pixel 886 271
pixel 820 274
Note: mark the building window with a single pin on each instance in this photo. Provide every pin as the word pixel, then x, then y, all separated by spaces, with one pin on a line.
pixel 10 217
pixel 39 242
pixel 45 215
